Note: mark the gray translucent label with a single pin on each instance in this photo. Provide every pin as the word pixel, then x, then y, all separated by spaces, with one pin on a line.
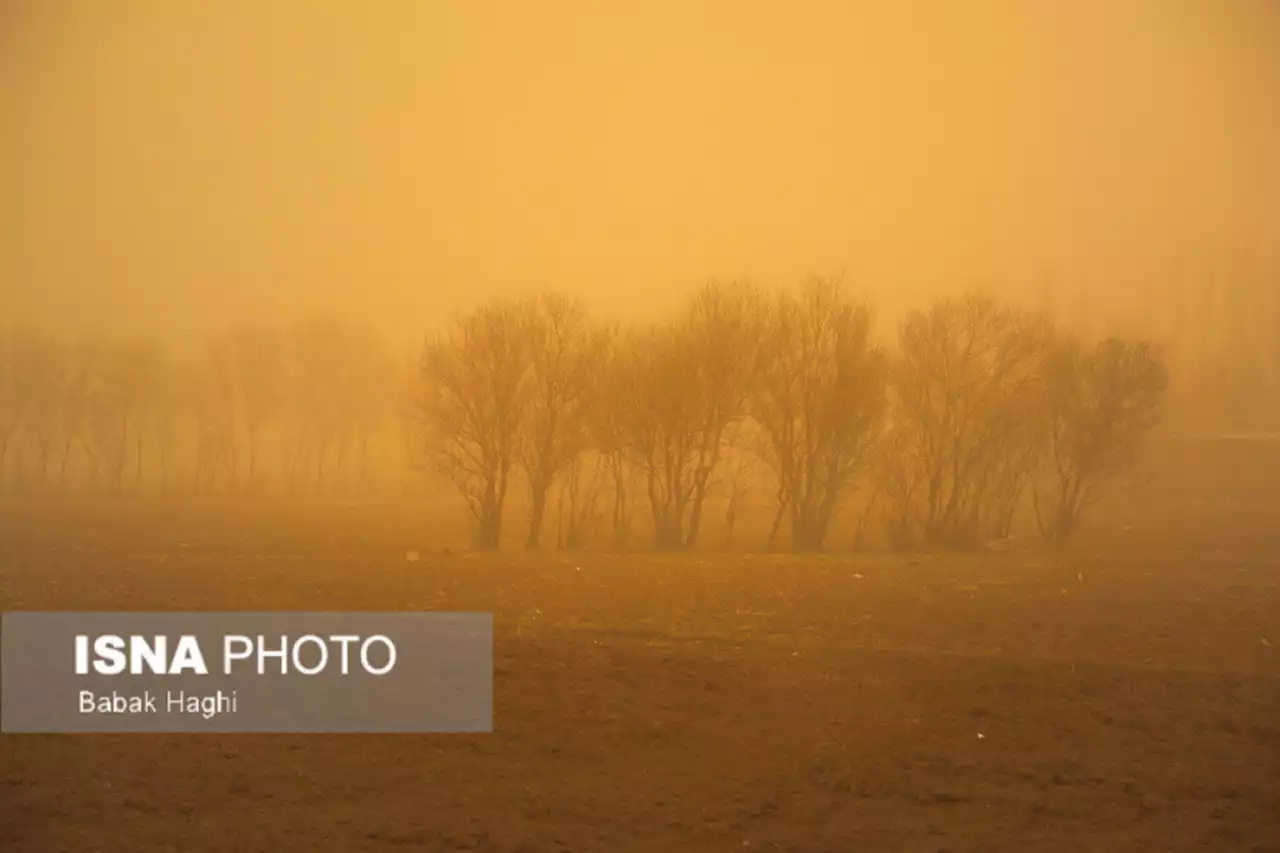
pixel 224 672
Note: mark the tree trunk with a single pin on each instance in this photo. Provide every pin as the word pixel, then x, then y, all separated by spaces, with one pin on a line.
pixel 488 532
pixel 860 529
pixel 62 465
pixel 117 464
pixel 778 514
pixel 730 521
pixel 537 511
pixel 620 511
pixel 490 522
pixel 701 478
pixel 666 519
pixel 93 463
pixel 321 452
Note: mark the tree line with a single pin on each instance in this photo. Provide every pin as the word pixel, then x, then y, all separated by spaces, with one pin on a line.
pixel 107 416
pixel 973 413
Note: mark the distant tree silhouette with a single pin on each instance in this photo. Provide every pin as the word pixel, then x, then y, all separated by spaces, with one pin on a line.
pixel 373 388
pixel 981 411
pixel 81 382
pixel 145 361
pixel 820 402
pixel 578 501
pixel 259 363
pixel 1098 404
pixel 741 470
pixel 213 405
pixel 681 385
pixel 42 363
pixel 472 403
pixel 341 383
pixel 565 353
pixel 961 385
pixel 609 433
pixel 169 414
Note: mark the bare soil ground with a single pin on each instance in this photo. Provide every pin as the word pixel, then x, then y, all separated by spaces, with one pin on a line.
pixel 1110 699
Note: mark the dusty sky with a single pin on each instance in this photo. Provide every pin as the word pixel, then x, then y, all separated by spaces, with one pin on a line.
pixel 182 164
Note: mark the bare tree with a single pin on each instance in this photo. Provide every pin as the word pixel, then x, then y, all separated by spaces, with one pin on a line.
pixel 821 402
pixel 722 330
pixel 1099 403
pixel 1002 482
pixel 339 368
pixel 657 409
pixel 739 476
pixel 172 408
pixel 681 386
pixel 313 406
pixel 144 361
pixel 609 434
pixel 959 385
pixel 578 501
pixel 83 374
pixel 409 429
pixel 471 406
pixel 564 352
pixel 212 398
pixel 41 363
pixel 361 393
pixel 106 420
pixel 373 392
pixel 258 361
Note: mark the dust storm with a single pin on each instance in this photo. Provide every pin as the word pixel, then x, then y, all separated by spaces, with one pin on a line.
pixel 862 420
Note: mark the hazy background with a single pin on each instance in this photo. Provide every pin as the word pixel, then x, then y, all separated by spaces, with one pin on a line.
pixel 183 165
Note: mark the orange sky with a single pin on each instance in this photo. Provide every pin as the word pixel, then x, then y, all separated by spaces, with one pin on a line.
pixel 189 163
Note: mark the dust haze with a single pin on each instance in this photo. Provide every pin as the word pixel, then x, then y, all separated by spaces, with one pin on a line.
pixel 862 419
pixel 175 167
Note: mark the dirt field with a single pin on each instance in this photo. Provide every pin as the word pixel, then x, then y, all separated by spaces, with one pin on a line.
pixel 1121 698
